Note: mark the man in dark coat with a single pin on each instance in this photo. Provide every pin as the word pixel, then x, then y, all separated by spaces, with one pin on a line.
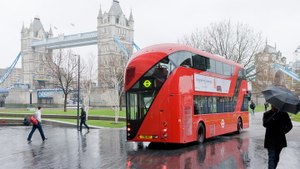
pixel 252 107
pixel 277 124
pixel 83 120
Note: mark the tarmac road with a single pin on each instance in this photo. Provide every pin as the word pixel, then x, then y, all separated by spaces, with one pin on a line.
pixel 108 149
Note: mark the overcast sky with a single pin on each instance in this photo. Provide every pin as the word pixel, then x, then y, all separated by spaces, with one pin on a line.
pixel 156 21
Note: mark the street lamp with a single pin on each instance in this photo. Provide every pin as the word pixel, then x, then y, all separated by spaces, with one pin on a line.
pixel 30 97
pixel 78 90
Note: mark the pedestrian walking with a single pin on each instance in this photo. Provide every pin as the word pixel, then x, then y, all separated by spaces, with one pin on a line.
pixel 83 120
pixel 277 124
pixel 252 107
pixel 266 104
pixel 37 124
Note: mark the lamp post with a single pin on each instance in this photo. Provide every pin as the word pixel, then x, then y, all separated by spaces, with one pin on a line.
pixel 30 97
pixel 78 90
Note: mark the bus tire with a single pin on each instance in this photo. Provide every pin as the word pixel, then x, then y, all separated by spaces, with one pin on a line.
pixel 201 134
pixel 239 126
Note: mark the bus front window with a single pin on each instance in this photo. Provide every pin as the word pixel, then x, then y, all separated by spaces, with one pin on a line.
pixel 138 104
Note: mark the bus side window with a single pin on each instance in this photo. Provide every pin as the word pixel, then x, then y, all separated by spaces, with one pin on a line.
pixel 196 108
pixel 186 63
pixel 200 62
pixel 220 104
pixel 161 74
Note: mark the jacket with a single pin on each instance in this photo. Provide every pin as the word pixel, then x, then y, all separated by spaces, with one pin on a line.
pixel 83 115
pixel 277 124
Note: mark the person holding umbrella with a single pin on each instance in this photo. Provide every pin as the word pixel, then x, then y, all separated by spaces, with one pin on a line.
pixel 277 121
pixel 277 124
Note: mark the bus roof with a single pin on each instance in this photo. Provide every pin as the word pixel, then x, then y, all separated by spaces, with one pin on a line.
pixel 169 48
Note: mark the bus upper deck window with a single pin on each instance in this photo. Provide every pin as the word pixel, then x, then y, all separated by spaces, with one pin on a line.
pixel 160 73
pixel 186 63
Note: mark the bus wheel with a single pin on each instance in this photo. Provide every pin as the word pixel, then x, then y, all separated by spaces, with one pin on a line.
pixel 201 134
pixel 239 126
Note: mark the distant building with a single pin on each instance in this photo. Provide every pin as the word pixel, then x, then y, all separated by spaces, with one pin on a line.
pixel 296 68
pixel 267 74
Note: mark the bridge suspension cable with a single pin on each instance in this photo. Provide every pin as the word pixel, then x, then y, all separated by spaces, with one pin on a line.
pixel 10 69
pixel 287 71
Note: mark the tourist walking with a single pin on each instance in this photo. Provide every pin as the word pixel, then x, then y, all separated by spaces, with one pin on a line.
pixel 266 104
pixel 83 120
pixel 36 124
pixel 277 124
pixel 252 107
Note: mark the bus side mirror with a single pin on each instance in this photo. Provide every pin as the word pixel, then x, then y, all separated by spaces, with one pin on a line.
pixel 248 95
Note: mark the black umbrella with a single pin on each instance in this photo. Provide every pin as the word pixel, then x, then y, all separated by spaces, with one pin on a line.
pixel 282 98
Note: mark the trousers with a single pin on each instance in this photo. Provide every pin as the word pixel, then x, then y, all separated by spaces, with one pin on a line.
pixel 34 127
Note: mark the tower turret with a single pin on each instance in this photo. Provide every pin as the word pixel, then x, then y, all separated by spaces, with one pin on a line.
pixel 111 25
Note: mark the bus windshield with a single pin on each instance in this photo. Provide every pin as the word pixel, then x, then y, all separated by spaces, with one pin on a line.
pixel 141 95
pixel 143 92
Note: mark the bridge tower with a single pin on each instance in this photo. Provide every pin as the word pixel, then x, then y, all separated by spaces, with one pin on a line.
pixel 33 70
pixel 113 24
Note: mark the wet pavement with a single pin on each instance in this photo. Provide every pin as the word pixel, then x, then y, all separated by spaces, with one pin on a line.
pixel 108 149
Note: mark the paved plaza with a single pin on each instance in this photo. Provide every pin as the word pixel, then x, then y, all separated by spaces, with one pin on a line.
pixel 65 148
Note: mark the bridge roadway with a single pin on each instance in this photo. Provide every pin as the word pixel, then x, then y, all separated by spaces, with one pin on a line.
pixel 107 148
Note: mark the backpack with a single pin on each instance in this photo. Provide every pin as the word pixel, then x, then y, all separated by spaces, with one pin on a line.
pixel 26 121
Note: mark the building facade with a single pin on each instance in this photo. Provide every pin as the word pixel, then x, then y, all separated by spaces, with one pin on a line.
pixel 267 73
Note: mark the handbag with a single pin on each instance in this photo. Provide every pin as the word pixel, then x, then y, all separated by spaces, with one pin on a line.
pixel 33 120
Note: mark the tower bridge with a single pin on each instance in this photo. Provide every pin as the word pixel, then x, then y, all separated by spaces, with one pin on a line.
pixel 62 41
pixel 114 37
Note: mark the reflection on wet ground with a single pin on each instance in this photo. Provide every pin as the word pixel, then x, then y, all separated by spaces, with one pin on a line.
pixel 108 149
pixel 221 152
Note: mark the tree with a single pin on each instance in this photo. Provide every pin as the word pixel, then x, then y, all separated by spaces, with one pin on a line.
pixel 111 76
pixel 89 76
pixel 63 68
pixel 237 42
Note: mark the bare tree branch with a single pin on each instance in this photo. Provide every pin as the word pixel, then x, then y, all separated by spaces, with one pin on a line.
pixel 237 42
pixel 63 68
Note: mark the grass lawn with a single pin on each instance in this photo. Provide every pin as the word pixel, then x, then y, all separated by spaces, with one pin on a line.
pixel 96 112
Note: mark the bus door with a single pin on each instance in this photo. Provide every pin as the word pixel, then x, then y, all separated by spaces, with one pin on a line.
pixel 137 106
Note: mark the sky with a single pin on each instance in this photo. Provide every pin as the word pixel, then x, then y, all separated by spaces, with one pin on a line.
pixel 156 21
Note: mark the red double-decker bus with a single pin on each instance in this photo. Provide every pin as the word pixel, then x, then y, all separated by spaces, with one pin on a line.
pixel 177 94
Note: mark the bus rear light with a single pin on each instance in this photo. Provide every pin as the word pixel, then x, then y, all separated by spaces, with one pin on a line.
pixel 165 135
pixel 164 130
